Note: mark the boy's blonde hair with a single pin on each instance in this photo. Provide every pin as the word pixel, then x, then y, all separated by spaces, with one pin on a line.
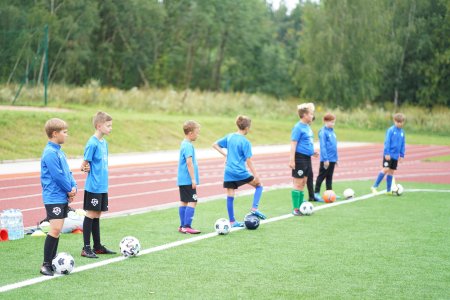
pixel 329 117
pixel 54 124
pixel 101 118
pixel 190 126
pixel 243 122
pixel 399 117
pixel 304 108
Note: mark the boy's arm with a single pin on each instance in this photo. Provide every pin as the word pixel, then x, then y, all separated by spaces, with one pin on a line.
pixel 85 166
pixel 292 154
pixel 387 145
pixel 57 173
pixel 191 170
pixel 323 146
pixel 402 149
pixel 252 170
pixel 219 149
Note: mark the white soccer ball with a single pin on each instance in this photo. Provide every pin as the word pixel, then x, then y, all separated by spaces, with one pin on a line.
pixel 222 226
pixel 397 189
pixel 129 246
pixel 306 208
pixel 349 193
pixel 63 263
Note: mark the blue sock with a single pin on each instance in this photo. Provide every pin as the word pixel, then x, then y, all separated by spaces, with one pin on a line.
pixel 182 213
pixel 189 216
pixel 257 197
pixel 379 179
pixel 389 182
pixel 230 208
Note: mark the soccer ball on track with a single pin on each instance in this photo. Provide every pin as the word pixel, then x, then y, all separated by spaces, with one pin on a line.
pixel 63 263
pixel 129 246
pixel 349 193
pixel 222 226
pixel 306 208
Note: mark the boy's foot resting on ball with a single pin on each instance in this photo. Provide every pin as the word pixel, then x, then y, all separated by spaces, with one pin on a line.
pixel 103 250
pixel 87 252
pixel 374 190
pixel 190 230
pixel 237 224
pixel 296 212
pixel 47 269
pixel 258 214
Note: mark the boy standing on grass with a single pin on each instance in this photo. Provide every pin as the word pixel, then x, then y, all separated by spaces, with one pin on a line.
pixel 328 155
pixel 394 151
pixel 188 179
pixel 239 154
pixel 58 188
pixel 95 163
pixel 302 148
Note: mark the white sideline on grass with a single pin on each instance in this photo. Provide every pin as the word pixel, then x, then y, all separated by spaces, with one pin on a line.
pixel 39 279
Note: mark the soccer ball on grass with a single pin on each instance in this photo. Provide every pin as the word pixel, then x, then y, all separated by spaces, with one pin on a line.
pixel 222 226
pixel 63 263
pixel 397 189
pixel 251 221
pixel 306 208
pixel 349 193
pixel 329 196
pixel 129 246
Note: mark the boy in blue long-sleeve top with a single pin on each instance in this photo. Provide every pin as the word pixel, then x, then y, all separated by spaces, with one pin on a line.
pixel 394 151
pixel 58 188
pixel 328 155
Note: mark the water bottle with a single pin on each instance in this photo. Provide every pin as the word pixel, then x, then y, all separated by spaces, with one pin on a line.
pixel 20 224
pixel 3 219
pixel 12 224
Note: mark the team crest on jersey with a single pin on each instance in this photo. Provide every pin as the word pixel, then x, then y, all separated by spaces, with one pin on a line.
pixel 386 164
pixel 56 210
pixel 300 172
pixel 194 197
pixel 94 201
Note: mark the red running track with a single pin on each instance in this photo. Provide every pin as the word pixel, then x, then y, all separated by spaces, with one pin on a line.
pixel 134 187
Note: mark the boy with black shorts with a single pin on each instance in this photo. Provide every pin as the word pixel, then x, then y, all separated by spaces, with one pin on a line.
pixel 394 151
pixel 95 163
pixel 302 148
pixel 58 188
pixel 188 179
pixel 239 154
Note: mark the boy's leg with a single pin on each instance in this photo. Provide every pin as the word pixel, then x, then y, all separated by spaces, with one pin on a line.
pixel 256 198
pixel 389 179
pixel 189 216
pixel 329 176
pixel 98 247
pixel 319 180
pixel 230 204
pixel 51 246
pixel 182 214
pixel 310 184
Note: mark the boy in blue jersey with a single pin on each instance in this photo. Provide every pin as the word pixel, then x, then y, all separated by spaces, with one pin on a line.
pixel 302 148
pixel 394 151
pixel 95 163
pixel 188 179
pixel 328 155
pixel 58 188
pixel 238 155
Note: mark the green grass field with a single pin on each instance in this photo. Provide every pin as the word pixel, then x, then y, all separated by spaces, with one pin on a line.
pixel 382 247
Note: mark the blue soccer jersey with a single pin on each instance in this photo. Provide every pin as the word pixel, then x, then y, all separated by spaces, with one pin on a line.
pixel 186 150
pixel 328 145
pixel 394 143
pixel 303 135
pixel 96 153
pixel 56 177
pixel 239 149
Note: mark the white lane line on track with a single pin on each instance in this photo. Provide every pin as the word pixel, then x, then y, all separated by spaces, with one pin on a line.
pixel 36 280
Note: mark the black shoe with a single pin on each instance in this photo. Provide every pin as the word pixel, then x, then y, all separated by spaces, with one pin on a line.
pixel 47 269
pixel 87 252
pixel 103 250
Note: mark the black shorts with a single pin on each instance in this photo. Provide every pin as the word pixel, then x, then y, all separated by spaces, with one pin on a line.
pixel 391 164
pixel 236 184
pixel 57 211
pixel 95 202
pixel 187 193
pixel 303 166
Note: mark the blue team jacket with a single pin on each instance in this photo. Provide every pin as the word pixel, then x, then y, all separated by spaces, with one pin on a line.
pixel 394 143
pixel 328 145
pixel 56 177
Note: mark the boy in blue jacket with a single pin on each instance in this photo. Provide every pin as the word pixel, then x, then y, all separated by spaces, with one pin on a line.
pixel 328 155
pixel 58 188
pixel 394 151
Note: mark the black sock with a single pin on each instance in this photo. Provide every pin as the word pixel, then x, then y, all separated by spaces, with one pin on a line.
pixel 55 251
pixel 49 247
pixel 96 232
pixel 87 229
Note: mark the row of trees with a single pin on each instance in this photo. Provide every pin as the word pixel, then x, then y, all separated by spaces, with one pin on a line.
pixel 340 52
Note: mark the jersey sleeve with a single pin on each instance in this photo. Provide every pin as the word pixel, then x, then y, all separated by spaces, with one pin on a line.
pixel 323 145
pixel 188 151
pixel 402 148
pixel 223 142
pixel 89 151
pixel 387 142
pixel 295 134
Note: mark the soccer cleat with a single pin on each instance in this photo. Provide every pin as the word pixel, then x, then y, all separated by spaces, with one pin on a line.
pixel 103 250
pixel 237 224
pixel 338 197
pixel 317 197
pixel 258 214
pixel 47 269
pixel 180 230
pixel 374 190
pixel 87 252
pixel 190 230
pixel 390 193
pixel 296 212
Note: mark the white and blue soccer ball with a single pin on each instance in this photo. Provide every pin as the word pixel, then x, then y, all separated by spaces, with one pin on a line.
pixel 63 263
pixel 129 246
pixel 306 208
pixel 222 226
pixel 349 193
pixel 397 189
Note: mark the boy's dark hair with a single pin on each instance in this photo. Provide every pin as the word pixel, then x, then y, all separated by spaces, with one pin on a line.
pixel 100 118
pixel 243 122
pixel 399 117
pixel 190 126
pixel 54 124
